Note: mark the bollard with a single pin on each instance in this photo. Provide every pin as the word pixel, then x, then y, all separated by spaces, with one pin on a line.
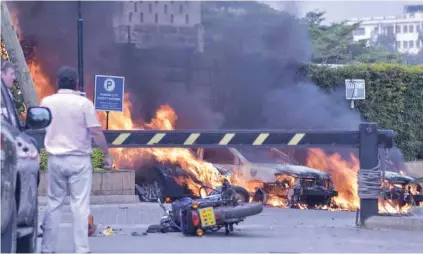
pixel 369 160
pixel 91 227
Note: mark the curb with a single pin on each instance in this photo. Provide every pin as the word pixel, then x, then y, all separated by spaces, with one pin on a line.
pixel 411 223
pixel 100 200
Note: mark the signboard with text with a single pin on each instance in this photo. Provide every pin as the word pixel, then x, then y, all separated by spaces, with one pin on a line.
pixel 355 89
pixel 108 93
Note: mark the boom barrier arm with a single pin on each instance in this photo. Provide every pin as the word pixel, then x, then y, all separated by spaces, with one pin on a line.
pixel 368 139
pixel 231 138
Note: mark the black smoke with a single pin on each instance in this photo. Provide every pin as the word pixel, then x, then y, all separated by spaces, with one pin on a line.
pixel 257 84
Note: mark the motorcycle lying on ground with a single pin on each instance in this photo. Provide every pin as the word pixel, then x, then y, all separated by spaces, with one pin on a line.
pixel 221 209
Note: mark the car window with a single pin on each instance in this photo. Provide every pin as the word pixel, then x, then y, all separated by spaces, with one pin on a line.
pixel 219 156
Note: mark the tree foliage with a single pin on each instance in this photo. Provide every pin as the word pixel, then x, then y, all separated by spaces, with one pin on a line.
pixel 331 43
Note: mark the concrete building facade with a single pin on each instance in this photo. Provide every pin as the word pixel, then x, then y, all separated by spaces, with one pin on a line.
pixel 407 31
pixel 175 24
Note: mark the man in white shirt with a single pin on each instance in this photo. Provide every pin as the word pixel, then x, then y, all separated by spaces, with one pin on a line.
pixel 68 143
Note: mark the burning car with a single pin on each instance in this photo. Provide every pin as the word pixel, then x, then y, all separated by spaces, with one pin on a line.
pixel 170 182
pixel 269 174
pixel 402 189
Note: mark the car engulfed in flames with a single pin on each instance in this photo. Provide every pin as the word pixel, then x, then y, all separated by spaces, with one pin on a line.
pixel 400 189
pixel 272 177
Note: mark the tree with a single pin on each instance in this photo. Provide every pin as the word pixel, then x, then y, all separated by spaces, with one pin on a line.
pixel 331 43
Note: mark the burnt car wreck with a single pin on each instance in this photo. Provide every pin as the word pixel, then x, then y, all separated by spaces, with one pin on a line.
pixel 401 189
pixel 299 186
pixel 271 173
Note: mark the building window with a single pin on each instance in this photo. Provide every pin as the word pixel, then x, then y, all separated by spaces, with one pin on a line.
pixel 376 30
pixel 181 9
pixel 186 19
pixel 418 28
pixel 389 30
pixel 405 29
pixel 165 8
pixel 135 7
pixel 398 28
pixel 398 44
pixel 417 44
pixel 150 8
pixel 411 29
pixel 156 18
pixel 411 44
pixel 130 17
pixel 359 31
pixel 141 17
pixel 171 18
pixel 405 44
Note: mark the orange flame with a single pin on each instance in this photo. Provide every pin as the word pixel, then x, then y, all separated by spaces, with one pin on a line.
pixel 343 174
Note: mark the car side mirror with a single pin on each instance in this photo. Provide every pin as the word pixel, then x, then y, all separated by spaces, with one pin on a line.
pixel 37 118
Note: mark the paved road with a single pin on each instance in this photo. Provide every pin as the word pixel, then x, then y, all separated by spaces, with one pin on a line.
pixel 275 230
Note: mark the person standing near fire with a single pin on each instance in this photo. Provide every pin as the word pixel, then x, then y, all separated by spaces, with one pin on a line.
pixel 8 77
pixel 68 143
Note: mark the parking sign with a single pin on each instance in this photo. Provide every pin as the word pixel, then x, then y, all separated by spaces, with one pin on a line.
pixel 355 89
pixel 108 94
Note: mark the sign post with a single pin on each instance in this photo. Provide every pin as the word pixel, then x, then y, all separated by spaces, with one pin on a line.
pixel 108 94
pixel 355 89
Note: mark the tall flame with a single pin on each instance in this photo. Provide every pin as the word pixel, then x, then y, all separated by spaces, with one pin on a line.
pixel 343 174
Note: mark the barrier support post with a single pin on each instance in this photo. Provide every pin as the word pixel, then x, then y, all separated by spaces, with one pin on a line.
pixel 368 154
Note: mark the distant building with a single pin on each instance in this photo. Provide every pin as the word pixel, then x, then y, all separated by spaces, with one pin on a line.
pixel 407 30
pixel 170 24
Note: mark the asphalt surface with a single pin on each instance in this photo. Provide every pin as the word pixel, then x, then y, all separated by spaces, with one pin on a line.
pixel 273 231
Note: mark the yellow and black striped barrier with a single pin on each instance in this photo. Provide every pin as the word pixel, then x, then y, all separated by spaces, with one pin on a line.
pixel 231 138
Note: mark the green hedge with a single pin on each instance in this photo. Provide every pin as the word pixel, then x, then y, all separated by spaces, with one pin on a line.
pixel 394 98
pixel 97 158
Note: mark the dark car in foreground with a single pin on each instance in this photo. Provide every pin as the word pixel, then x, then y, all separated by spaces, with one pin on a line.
pixel 20 177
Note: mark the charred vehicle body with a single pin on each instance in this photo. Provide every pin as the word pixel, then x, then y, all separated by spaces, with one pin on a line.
pixel 271 171
pixel 401 189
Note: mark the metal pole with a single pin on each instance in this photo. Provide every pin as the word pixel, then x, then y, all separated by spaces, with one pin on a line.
pixel 107 120
pixel 369 158
pixel 80 49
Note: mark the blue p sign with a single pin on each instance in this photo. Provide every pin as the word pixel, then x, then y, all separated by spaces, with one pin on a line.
pixel 109 85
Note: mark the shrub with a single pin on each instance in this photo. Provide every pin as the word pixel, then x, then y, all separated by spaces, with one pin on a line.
pixel 97 159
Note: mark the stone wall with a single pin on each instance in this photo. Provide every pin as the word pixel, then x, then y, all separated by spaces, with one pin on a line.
pixel 116 182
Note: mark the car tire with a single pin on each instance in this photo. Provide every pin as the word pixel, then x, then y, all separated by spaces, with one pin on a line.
pixel 242 193
pixel 155 183
pixel 260 196
pixel 28 243
pixel 8 237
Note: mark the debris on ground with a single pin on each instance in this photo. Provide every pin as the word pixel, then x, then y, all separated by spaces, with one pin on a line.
pixel 138 233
